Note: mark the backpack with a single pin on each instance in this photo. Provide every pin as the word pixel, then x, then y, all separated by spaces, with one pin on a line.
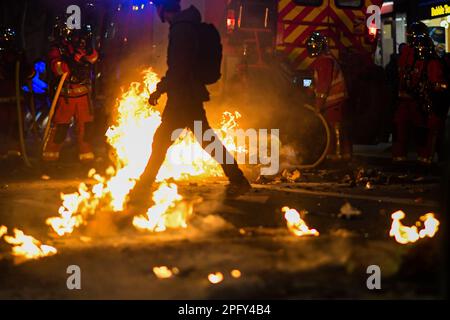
pixel 209 54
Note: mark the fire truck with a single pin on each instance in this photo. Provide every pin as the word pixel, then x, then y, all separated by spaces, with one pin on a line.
pixel 261 31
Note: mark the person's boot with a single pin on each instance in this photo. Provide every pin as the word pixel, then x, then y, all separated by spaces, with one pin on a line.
pixel 238 188
pixel 138 204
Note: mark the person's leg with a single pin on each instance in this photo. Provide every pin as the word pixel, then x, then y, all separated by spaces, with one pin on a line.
pixel 84 121
pixel 230 167
pixel 401 126
pixel 65 110
pixel 141 194
pixel 339 144
pixel 421 131
pixel 428 149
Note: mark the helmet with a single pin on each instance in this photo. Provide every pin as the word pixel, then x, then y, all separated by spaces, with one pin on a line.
pixel 424 47
pixel 317 44
pixel 81 38
pixel 169 5
pixel 60 30
pixel 8 38
pixel 416 29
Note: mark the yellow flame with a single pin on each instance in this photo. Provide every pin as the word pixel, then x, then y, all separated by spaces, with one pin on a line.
pixel 3 231
pixel 215 278
pixel 296 224
pixel 131 138
pixel 404 235
pixel 28 247
pixel 236 273
pixel 164 272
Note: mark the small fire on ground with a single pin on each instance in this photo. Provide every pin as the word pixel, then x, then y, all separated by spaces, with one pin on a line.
pixel 25 247
pixel 403 234
pixel 296 224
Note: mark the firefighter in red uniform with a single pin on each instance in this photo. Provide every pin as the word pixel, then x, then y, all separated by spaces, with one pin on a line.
pixel 73 55
pixel 421 79
pixel 330 95
pixel 10 55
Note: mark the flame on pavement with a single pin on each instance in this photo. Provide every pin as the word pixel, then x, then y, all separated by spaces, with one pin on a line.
pixel 215 278
pixel 164 272
pixel 3 231
pixel 131 138
pixel 404 235
pixel 296 224
pixel 26 247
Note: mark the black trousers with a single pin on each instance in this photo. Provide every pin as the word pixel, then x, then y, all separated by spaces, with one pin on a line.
pixel 178 116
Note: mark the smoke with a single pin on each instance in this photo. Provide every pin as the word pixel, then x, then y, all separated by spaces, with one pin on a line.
pixel 269 99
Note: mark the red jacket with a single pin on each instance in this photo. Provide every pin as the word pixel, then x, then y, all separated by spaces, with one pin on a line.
pixel 329 82
pixel 412 69
pixel 64 58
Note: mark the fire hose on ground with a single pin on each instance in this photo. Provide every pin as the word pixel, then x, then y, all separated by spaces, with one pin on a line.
pixel 328 143
pixel 23 149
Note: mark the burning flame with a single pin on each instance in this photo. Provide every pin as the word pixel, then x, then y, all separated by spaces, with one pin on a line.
pixel 235 273
pixel 3 231
pixel 164 272
pixel 296 224
pixel 131 137
pixel 405 235
pixel 27 247
pixel 157 217
pixel 215 278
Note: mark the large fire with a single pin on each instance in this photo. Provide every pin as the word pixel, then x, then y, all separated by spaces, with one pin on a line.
pixel 404 235
pixel 131 137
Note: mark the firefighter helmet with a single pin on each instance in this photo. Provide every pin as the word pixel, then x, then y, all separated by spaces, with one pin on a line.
pixel 424 47
pixel 415 30
pixel 317 44
pixel 60 32
pixel 81 38
pixel 8 38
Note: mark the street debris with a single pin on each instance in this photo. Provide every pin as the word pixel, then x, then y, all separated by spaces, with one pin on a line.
pixel 286 176
pixel 349 212
pixel 405 235
pixel 296 224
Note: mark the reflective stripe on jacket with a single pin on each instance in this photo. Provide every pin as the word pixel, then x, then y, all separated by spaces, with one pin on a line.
pixel 329 81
